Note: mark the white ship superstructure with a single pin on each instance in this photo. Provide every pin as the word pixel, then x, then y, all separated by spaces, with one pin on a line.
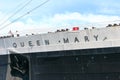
pixel 89 54
pixel 65 40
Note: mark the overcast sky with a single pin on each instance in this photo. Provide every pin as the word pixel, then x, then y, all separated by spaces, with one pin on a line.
pixel 56 14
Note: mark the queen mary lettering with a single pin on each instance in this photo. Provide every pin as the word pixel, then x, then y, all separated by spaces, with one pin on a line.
pixel 47 42
pixel 29 43
pixel 22 44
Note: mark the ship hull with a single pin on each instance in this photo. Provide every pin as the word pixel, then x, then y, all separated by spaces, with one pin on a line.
pixel 3 66
pixel 87 64
pixel 91 64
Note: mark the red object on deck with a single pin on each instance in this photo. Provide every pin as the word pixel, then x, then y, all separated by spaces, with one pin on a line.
pixel 75 28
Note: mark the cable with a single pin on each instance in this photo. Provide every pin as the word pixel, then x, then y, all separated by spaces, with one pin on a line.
pixel 15 13
pixel 38 6
pixel 24 15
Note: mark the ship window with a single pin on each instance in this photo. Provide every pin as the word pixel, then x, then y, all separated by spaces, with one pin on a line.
pixel 107 77
pixel 76 58
pixel 105 57
pixel 92 59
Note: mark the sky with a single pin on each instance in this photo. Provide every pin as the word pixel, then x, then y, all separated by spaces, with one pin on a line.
pixel 41 16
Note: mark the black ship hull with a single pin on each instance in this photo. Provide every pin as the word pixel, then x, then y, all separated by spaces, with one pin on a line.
pixel 87 64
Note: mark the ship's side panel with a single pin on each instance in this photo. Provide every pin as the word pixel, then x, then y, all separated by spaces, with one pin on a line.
pixel 3 66
pixel 90 64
